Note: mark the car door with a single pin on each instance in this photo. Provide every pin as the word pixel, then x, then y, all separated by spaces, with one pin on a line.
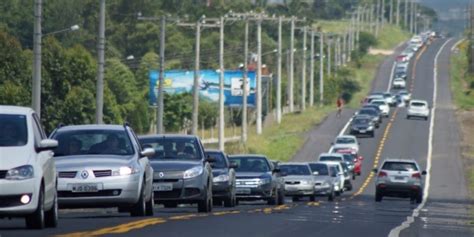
pixel 45 159
pixel 143 161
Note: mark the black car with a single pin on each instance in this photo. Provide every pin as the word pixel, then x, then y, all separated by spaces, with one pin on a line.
pixel 182 172
pixel 256 178
pixel 362 125
pixel 373 113
pixel 223 183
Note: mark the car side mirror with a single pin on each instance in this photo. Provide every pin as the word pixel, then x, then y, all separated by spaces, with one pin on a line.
pixel 233 165
pixel 210 159
pixel 423 172
pixel 315 173
pixel 47 144
pixel 374 170
pixel 147 152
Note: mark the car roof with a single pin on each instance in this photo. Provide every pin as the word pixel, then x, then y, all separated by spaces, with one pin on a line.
pixel 293 163
pixel 167 135
pixel 92 127
pixel 345 136
pixel 367 108
pixel 362 116
pixel 9 109
pixel 400 160
pixel 331 154
pixel 331 162
pixel 247 155
pixel 378 100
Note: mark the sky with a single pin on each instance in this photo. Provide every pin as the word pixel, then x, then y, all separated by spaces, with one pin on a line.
pixel 450 13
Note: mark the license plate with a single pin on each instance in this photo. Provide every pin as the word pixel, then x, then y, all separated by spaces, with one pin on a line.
pixel 160 187
pixel 243 191
pixel 399 178
pixel 85 188
pixel 362 131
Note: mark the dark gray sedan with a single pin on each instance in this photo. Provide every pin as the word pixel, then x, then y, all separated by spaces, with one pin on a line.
pixel 223 185
pixel 182 172
pixel 256 178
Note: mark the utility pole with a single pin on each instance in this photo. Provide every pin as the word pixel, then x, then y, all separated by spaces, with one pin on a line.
pixel 412 14
pixel 292 59
pixel 358 26
pixel 415 21
pixel 377 19
pixel 337 52
pixel 371 18
pixel 259 75
pixel 245 82
pixel 405 9
pixel 382 13
pixel 321 68
pixel 311 71
pixel 101 61
pixel 303 72
pixel 195 115
pixel 344 48
pixel 36 85
pixel 391 12
pixel 279 62
pixel 221 85
pixel 398 13
pixel 161 103
pixel 329 56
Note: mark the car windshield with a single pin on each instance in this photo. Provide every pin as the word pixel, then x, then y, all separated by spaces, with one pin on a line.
pixel 295 169
pixel 378 102
pixel 220 161
pixel 387 95
pixel 418 104
pixel 399 166
pixel 173 148
pixel 345 140
pixel 361 121
pixel 330 158
pixel 13 130
pixel 371 112
pixel 348 158
pixel 250 164
pixel 322 169
pixel 92 141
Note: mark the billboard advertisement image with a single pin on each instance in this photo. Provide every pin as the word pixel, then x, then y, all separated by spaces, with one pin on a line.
pixel 180 81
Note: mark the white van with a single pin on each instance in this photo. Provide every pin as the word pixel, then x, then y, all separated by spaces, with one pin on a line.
pixel 27 171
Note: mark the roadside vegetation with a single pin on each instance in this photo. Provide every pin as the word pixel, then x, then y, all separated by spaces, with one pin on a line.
pixel 462 87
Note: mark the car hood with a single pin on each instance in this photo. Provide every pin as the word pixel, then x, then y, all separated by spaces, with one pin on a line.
pixel 322 178
pixel 12 157
pixel 174 165
pixel 251 175
pixel 91 161
pixel 298 178
pixel 217 172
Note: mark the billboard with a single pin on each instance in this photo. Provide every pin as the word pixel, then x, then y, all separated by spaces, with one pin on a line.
pixel 180 81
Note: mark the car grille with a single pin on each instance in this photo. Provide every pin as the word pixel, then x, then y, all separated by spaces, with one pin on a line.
pixel 3 173
pixel 292 182
pixel 168 174
pixel 165 180
pixel 191 192
pixel 102 173
pixel 67 174
pixel 10 200
pixel 100 193
pixel 175 193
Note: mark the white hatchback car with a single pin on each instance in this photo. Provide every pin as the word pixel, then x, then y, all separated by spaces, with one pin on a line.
pixel 384 107
pixel 418 108
pixel 399 83
pixel 27 173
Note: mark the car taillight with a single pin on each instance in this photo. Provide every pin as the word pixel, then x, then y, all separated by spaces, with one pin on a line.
pixel 416 175
pixel 382 174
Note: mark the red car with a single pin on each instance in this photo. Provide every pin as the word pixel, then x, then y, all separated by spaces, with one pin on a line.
pixel 402 58
pixel 357 159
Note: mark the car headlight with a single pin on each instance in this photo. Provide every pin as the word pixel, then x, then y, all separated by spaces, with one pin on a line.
pixel 193 172
pixel 125 170
pixel 370 128
pixel 20 173
pixel 221 178
pixel 263 181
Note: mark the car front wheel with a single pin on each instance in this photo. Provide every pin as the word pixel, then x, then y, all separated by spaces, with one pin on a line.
pixel 36 219
pixel 51 216
pixel 139 208
pixel 378 196
pixel 205 205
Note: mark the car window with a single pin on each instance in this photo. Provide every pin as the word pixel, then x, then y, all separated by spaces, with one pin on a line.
pixel 171 148
pixel 345 140
pixel 360 121
pixel 295 169
pixel 399 166
pixel 93 141
pixel 251 164
pixel 330 158
pixel 322 169
pixel 220 160
pixel 367 111
pixel 418 104
pixel 333 170
pixel 13 130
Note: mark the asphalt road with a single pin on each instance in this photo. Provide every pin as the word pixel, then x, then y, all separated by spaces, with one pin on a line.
pixel 355 213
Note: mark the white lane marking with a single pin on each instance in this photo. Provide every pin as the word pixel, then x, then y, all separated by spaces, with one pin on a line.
pixel 395 232
pixel 391 77
pixel 345 127
pixel 456 44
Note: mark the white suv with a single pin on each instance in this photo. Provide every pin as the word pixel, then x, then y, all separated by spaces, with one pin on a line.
pixel 27 171
pixel 418 108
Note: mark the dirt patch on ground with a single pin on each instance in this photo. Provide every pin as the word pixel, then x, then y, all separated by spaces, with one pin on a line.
pixel 380 51
pixel 466 121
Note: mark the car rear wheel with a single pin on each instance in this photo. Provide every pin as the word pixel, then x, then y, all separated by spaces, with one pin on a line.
pixel 139 208
pixel 281 198
pixel 150 204
pixel 419 198
pixel 230 200
pixel 51 216
pixel 408 117
pixel 205 205
pixel 331 196
pixel 312 198
pixel 274 199
pixel 170 205
pixel 295 199
pixel 36 219
pixel 378 196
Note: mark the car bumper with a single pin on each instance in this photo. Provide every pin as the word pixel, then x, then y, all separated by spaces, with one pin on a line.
pixel 221 189
pixel 361 131
pixel 113 191
pixel 320 190
pixel 417 114
pixel 253 192
pixel 11 192
pixel 299 190
pixel 183 190
pixel 399 190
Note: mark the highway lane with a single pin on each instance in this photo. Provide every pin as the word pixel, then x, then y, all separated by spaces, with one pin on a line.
pixel 349 215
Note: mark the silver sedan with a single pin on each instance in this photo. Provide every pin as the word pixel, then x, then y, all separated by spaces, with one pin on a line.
pixel 103 166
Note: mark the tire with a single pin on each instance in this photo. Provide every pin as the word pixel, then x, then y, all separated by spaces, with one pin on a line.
pixel 281 199
pixel 312 198
pixel 349 187
pixel 408 117
pixel 274 199
pixel 378 196
pixel 170 205
pixel 139 208
pixel 426 118
pixel 150 204
pixel 338 193
pixel 36 219
pixel 353 177
pixel 51 216
pixel 419 198
pixel 295 199
pixel 372 134
pixel 331 196
pixel 205 205
pixel 230 201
